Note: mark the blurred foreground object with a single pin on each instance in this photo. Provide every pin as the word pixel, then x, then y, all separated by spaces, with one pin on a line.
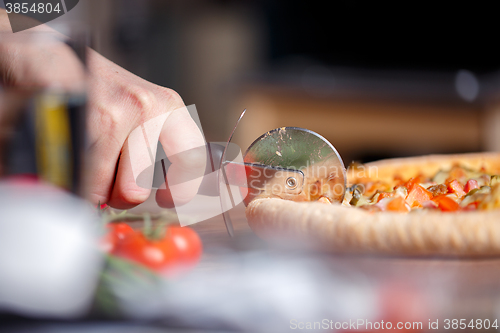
pixel 49 262
pixel 42 107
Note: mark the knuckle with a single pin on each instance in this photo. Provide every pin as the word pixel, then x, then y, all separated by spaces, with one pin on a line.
pixel 143 100
pixel 173 98
pixel 106 117
pixel 105 131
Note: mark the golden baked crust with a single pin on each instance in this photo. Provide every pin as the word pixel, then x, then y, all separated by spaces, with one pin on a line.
pixel 347 229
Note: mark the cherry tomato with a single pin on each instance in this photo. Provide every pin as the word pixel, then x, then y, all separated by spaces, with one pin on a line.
pixel 116 233
pixel 187 244
pixel 120 230
pixel 179 249
pixel 158 255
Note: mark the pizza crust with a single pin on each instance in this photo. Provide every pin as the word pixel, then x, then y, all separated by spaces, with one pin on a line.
pixel 352 230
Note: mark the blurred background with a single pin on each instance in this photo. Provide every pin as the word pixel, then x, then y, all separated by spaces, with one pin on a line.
pixel 376 80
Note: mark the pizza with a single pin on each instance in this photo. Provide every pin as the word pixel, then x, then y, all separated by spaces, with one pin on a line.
pixel 439 205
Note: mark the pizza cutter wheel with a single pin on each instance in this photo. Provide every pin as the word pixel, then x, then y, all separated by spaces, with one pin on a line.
pixel 296 164
pixel 290 163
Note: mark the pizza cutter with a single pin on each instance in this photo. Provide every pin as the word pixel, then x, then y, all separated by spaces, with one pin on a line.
pixel 290 163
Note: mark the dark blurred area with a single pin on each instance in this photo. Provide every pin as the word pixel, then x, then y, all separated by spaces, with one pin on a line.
pixel 377 80
pixel 372 35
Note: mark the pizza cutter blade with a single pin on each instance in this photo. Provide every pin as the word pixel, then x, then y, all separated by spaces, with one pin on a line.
pixel 301 165
pixel 224 184
pixel 290 163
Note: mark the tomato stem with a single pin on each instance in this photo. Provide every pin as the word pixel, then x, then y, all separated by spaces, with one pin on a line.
pixel 148 224
pixel 160 230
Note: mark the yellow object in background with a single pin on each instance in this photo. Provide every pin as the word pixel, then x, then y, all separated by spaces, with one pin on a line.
pixel 53 140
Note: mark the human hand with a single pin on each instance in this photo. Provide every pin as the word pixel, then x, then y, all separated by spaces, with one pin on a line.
pixel 119 103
